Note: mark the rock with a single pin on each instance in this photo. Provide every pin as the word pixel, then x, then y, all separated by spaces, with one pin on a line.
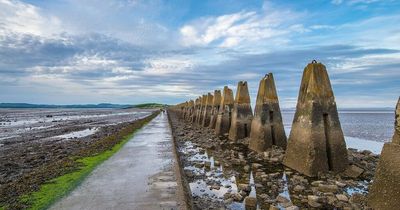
pixel 237 197
pixel 313 198
pixel 282 199
pixel 246 168
pixel 316 183
pixel 327 188
pixel 272 207
pixel 256 165
pixel 342 197
pixel 298 188
pixel 340 184
pixel 244 187
pixel 353 171
pixel 314 204
pixel 250 203
pixel 292 208
pixel 331 200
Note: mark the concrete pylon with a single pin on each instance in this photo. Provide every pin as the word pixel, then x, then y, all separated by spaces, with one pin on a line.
pixel 207 110
pixel 385 190
pixel 190 110
pixel 224 117
pixel 316 142
pixel 202 106
pixel 267 127
pixel 195 110
pixel 242 113
pixel 215 108
pixel 185 109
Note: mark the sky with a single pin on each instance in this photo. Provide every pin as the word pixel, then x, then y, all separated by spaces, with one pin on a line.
pixel 136 51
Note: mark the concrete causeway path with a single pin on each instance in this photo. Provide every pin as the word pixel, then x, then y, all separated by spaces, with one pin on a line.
pixel 142 175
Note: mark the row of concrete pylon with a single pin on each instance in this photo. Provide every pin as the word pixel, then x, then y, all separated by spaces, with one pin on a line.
pixel 316 142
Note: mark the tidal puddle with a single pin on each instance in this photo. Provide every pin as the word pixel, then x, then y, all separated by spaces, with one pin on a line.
pixel 211 181
pixel 78 134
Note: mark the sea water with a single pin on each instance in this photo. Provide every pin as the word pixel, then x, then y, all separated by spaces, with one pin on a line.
pixel 363 129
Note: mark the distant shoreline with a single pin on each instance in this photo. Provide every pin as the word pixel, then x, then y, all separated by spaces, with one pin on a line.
pixel 78 106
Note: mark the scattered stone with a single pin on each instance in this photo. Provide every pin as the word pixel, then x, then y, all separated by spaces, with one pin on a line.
pixel 327 188
pixel 353 171
pixel 342 197
pixel 250 203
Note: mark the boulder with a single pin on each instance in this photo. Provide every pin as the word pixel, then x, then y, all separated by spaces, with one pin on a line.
pixel 353 171
pixel 250 203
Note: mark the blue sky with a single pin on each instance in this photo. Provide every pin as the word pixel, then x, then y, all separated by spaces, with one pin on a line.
pixel 134 51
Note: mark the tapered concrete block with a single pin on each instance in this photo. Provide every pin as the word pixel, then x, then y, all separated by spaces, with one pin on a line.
pixel 242 113
pixel 215 108
pixel 189 111
pixel 267 126
pixel 202 107
pixel 207 110
pixel 197 103
pixel 316 142
pixel 385 190
pixel 224 117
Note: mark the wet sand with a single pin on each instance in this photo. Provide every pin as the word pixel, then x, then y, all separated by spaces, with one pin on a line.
pixel 139 176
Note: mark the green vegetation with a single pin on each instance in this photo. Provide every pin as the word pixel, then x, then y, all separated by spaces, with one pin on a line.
pixel 149 106
pixel 60 186
pixel 53 189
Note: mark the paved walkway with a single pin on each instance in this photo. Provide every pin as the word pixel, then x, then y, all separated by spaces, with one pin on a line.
pixel 139 176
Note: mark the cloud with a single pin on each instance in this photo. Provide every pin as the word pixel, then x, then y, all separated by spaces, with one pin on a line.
pixel 242 28
pixel 20 18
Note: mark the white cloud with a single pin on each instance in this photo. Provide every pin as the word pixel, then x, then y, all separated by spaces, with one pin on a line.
pixel 243 28
pixel 20 18
pixel 167 65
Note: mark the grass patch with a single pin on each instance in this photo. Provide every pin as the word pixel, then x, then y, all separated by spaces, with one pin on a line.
pixel 56 188
pixel 149 106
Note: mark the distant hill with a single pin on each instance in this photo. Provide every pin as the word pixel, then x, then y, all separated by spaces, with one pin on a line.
pixel 81 106
pixel 149 106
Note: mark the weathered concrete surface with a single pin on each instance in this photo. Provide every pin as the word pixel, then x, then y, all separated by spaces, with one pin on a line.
pixel 223 122
pixel 242 113
pixel 267 126
pixel 203 101
pixel 189 111
pixel 215 108
pixel 396 135
pixel 316 142
pixel 385 190
pixel 142 175
pixel 195 110
pixel 207 110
